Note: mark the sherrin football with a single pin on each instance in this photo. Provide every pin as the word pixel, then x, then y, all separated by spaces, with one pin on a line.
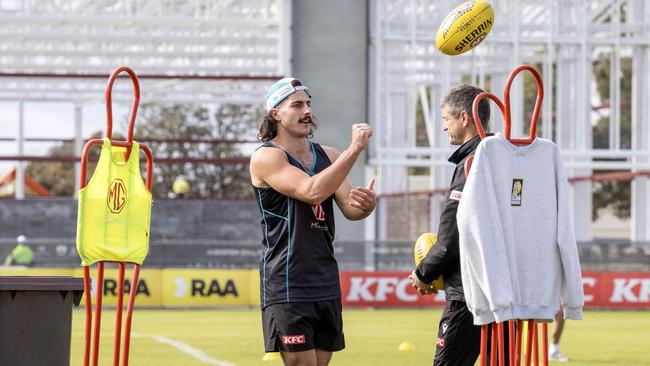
pixel 422 246
pixel 465 27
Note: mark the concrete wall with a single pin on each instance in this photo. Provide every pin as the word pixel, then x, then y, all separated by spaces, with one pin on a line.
pixel 170 220
pixel 329 49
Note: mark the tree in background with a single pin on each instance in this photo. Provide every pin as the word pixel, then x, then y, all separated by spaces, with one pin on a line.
pixel 186 122
pixel 58 177
pixel 173 122
pixel 613 194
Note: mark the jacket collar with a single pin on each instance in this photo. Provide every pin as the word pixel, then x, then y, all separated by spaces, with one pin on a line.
pixel 464 150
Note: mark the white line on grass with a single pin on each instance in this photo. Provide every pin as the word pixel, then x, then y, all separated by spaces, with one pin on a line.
pixel 198 354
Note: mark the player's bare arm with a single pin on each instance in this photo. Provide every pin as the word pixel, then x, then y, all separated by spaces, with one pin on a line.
pixel 355 203
pixel 269 167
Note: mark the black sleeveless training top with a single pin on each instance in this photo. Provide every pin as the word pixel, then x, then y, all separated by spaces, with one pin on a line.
pixel 298 263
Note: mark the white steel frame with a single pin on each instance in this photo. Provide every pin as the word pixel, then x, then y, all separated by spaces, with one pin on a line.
pixel 406 70
pixel 167 38
pixel 185 51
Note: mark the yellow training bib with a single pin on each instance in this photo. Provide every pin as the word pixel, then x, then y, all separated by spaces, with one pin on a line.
pixel 114 210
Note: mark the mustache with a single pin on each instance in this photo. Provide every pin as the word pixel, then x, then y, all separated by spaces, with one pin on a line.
pixel 307 120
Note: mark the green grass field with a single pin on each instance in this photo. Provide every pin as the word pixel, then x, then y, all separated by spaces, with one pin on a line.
pixel 217 337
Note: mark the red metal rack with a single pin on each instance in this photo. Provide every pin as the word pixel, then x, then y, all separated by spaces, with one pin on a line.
pixel 121 265
pixel 514 346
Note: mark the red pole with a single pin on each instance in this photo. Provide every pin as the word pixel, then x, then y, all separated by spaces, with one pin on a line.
pixel 538 105
pixel 544 344
pixel 89 314
pixel 502 354
pixel 520 333
pixel 493 345
pixel 475 116
pixel 118 314
pixel 129 314
pixel 98 312
pixel 484 338
pixel 511 342
pixel 100 267
pixel 134 106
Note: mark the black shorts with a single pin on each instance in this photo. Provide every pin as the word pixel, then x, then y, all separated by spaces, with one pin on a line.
pixel 459 340
pixel 303 326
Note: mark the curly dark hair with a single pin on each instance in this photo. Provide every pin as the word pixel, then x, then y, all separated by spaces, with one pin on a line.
pixel 269 127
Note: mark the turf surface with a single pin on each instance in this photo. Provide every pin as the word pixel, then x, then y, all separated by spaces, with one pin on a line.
pixel 372 337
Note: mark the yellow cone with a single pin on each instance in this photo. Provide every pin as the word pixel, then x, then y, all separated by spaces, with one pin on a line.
pixel 406 347
pixel 271 356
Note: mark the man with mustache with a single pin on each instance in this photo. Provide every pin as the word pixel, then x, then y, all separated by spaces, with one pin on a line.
pixel 295 182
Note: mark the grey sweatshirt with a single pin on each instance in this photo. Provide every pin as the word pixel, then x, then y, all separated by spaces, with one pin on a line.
pixel 518 252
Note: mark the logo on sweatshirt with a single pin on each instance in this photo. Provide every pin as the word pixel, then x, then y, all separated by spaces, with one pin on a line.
pixel 517 191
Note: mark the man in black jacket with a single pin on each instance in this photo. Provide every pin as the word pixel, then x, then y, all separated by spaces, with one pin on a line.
pixel 458 339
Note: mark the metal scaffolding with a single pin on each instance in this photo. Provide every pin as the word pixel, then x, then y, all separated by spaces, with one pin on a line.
pixel 193 50
pixel 564 39
pixel 184 51
pixel 206 51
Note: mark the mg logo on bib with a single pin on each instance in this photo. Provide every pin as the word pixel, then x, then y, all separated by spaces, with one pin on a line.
pixel 116 196
pixel 318 212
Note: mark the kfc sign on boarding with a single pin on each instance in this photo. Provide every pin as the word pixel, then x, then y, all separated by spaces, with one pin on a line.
pixel 383 289
pixel 393 289
pixel 616 290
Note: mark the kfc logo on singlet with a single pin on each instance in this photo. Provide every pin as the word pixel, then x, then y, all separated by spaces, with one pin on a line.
pixel 318 212
pixel 440 342
pixel 293 339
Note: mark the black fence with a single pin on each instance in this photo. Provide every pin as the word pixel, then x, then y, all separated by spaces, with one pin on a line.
pixel 394 255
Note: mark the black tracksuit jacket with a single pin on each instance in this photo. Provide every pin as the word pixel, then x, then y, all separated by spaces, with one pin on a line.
pixel 443 258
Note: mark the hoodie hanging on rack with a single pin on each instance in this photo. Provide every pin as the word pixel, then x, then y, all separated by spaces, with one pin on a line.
pixel 521 260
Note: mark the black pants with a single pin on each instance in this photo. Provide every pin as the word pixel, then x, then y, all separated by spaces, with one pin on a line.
pixel 459 340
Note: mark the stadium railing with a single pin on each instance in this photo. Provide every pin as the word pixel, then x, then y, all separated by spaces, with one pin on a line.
pixel 385 255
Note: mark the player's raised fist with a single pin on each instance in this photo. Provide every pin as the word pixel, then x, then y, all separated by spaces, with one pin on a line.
pixel 361 133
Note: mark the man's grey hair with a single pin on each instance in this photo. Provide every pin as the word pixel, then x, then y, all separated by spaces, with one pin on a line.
pixel 460 98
